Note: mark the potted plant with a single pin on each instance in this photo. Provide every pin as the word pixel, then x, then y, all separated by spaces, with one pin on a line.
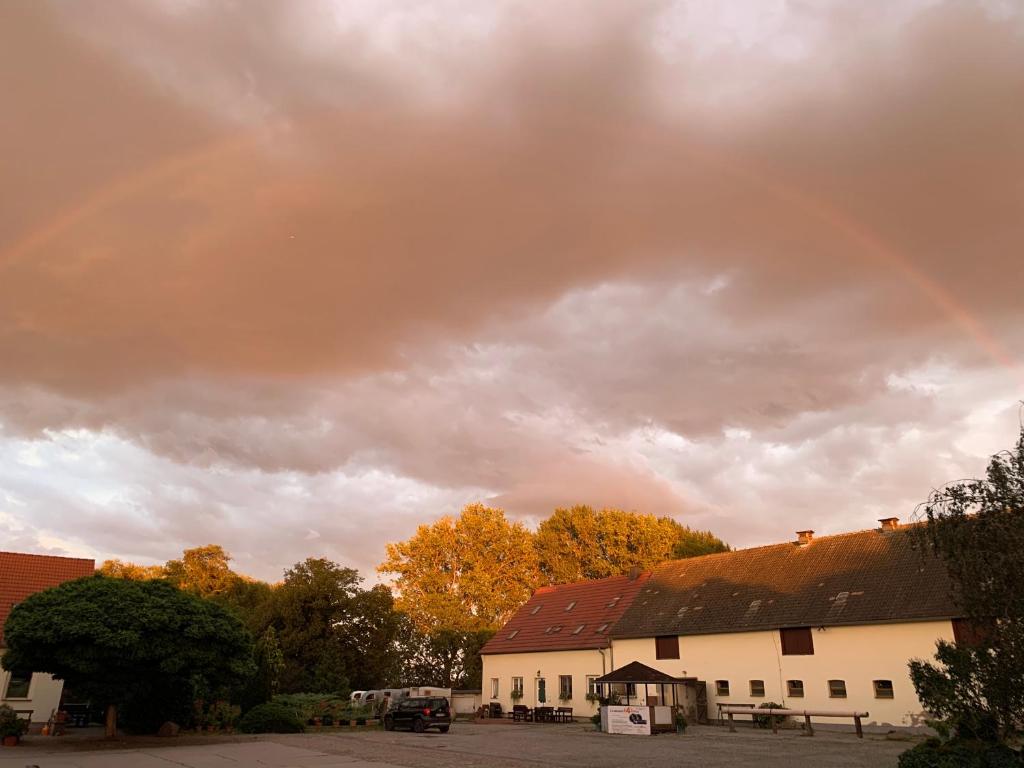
pixel 593 697
pixel 11 726
pixel 681 723
pixel 516 694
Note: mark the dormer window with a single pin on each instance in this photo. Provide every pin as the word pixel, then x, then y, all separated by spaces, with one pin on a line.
pixel 536 610
pixel 512 634
pixel 570 606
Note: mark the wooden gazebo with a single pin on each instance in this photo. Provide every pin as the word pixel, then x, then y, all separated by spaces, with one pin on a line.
pixel 637 674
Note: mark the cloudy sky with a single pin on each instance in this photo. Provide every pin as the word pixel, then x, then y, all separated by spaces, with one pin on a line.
pixel 298 277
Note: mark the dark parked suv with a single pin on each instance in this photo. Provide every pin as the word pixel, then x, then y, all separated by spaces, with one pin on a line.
pixel 420 713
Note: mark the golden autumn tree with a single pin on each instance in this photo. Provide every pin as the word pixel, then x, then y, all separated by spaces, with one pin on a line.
pixel 466 574
pixel 581 543
pixel 205 571
pixel 119 569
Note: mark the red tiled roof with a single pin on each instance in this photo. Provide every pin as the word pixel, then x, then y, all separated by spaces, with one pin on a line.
pixel 548 623
pixel 866 577
pixel 22 575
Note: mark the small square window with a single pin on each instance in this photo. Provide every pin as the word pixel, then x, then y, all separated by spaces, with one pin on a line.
pixel 757 688
pixel 666 647
pixel 721 687
pixel 883 689
pixel 19 684
pixel 795 688
pixel 837 689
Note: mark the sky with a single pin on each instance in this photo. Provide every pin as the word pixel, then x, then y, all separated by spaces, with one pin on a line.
pixel 296 278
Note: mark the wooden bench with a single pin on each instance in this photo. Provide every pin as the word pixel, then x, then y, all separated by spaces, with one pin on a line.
pixel 774 713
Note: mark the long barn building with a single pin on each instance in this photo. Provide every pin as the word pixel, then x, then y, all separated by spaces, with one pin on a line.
pixel 827 623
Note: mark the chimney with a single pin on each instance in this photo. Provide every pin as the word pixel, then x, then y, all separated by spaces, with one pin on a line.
pixel 803 538
pixel 890 523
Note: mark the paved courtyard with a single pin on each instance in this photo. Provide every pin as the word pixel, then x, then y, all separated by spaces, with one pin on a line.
pixel 471 746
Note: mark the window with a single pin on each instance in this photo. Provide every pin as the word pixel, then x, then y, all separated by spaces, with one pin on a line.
pixel 757 688
pixel 968 633
pixel 613 601
pixel 570 606
pixel 666 647
pixel 883 689
pixel 578 629
pixel 553 630
pixel 592 685
pixel 797 641
pixel 536 610
pixel 601 629
pixel 795 688
pixel 517 687
pixel 494 687
pixel 18 685
pixel 837 689
pixel 565 687
pixel 512 634
pixel 721 687
pixel 631 689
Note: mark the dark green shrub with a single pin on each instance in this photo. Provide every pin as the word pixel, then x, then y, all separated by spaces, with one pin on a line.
pixel 270 718
pixel 765 721
pixel 960 753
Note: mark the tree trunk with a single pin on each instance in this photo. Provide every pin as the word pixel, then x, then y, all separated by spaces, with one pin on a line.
pixel 111 722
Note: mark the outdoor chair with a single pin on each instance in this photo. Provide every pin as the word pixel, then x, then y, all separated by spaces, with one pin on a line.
pixel 495 710
pixel 522 712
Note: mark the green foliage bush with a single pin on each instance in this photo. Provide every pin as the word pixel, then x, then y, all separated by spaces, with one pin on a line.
pixel 272 717
pixel 765 721
pixel 10 723
pixel 960 753
pixel 307 706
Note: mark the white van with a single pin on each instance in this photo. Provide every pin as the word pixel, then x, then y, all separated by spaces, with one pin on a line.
pixel 357 697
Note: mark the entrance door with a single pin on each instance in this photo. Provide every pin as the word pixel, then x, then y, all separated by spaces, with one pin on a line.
pixel 702 701
pixel 542 690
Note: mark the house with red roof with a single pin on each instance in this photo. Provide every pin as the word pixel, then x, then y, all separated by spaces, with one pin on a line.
pixel 551 651
pixel 33 695
pixel 815 623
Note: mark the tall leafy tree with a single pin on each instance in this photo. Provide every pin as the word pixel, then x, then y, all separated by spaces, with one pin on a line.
pixel 205 570
pixel 465 574
pixel 977 528
pixel 121 641
pixel 445 657
pixel 305 612
pixel 581 543
pixel 119 569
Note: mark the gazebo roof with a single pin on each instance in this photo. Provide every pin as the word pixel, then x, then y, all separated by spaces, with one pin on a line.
pixel 635 672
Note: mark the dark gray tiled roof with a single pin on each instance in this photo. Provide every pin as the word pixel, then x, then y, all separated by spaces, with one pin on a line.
pixel 853 578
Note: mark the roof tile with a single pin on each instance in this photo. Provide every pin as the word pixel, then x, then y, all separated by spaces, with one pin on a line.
pixel 22 575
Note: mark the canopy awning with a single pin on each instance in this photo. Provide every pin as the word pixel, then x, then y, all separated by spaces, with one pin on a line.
pixel 641 674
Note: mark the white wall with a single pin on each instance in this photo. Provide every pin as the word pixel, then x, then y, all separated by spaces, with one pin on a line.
pixel 858 655
pixel 551 664
pixel 43 695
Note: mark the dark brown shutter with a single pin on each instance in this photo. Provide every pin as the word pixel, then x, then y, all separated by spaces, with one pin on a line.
pixel 967 633
pixel 666 647
pixel 797 641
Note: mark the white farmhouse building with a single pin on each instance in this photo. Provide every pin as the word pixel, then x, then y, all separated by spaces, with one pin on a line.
pixel 826 623
pixel 552 649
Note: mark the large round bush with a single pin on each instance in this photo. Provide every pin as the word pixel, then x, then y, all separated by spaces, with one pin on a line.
pixel 270 718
